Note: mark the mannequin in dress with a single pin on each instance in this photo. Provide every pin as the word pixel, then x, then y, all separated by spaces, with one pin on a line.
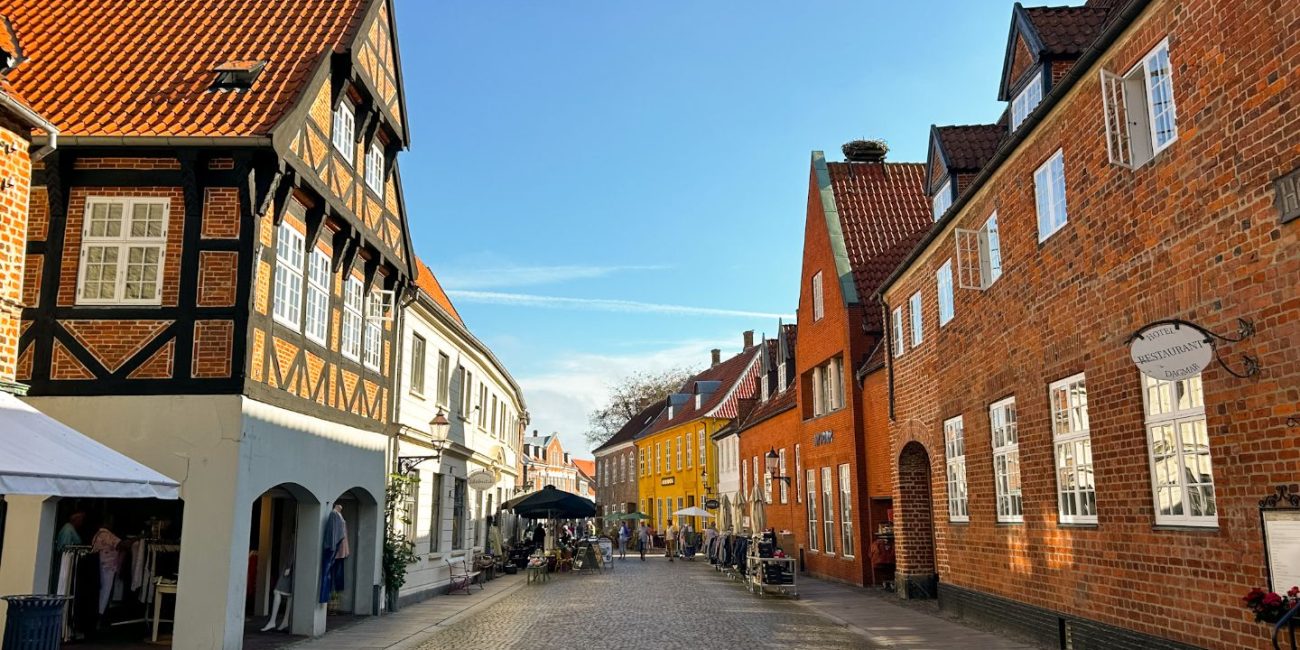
pixel 283 591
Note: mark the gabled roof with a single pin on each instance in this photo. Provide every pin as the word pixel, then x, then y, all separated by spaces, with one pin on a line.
pixel 738 377
pixel 778 404
pixel 966 148
pixel 112 68
pixel 635 425
pixel 585 467
pixel 538 441
pixel 428 283
pixel 876 213
pixel 1066 31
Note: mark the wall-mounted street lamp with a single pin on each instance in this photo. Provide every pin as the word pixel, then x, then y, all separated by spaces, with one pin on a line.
pixel 773 461
pixel 439 427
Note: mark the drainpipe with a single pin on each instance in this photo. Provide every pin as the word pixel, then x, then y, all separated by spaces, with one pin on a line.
pixel 33 118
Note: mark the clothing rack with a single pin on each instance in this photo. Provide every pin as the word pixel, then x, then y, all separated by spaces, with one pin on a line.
pixel 67 584
pixel 145 553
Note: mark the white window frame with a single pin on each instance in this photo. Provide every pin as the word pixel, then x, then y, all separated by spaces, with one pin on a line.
pixel 344 135
pixel 1007 481
pixel 444 380
pixel 918 330
pixel 979 255
pixel 954 445
pixel 1050 196
pixel 810 482
pixel 899 344
pixel 847 549
pixel 679 453
pixel 351 329
pixel 818 299
pixel 785 485
pixel 374 333
pixel 287 292
pixel 798 474
pixel 942 200
pixel 1178 406
pixel 122 244
pixel 375 162
pixel 1027 100
pixel 943 284
pixel 828 513
pixel 317 314
pixel 1128 100
pixel 1076 487
pixel 419 365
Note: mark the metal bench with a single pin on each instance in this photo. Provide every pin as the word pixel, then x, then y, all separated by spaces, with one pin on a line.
pixel 461 578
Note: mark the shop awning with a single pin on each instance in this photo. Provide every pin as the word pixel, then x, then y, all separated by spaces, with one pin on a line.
pixel 41 456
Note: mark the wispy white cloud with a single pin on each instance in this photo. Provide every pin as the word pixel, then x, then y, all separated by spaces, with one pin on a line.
pixel 560 399
pixel 603 304
pixel 526 276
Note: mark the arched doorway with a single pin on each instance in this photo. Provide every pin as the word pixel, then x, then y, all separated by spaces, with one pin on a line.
pixel 353 580
pixel 914 527
pixel 278 516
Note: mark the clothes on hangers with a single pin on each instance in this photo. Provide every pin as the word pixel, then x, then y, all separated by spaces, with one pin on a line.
pixel 334 549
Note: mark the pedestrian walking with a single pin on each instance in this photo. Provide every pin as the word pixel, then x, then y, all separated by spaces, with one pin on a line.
pixel 643 540
pixel 623 534
pixel 670 540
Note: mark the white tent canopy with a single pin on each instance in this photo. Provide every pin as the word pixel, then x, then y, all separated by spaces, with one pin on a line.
pixel 41 456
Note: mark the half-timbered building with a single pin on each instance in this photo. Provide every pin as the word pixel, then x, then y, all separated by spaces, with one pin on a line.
pixel 211 256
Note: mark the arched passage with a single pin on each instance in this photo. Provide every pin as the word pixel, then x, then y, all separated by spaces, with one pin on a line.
pixel 279 551
pixel 349 583
pixel 914 525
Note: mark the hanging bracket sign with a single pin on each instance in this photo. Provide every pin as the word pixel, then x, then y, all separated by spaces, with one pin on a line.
pixel 1171 350
pixel 481 480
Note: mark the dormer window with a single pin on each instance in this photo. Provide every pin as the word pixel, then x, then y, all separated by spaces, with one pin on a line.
pixel 942 199
pixel 237 75
pixel 375 167
pixel 345 130
pixel 1026 101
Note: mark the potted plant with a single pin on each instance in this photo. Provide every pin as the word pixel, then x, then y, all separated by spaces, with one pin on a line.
pixel 1270 607
pixel 399 552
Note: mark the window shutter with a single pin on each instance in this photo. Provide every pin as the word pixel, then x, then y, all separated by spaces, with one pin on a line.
pixel 1118 145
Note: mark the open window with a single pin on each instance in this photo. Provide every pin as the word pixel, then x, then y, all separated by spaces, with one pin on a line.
pixel 1140 115
pixel 979 255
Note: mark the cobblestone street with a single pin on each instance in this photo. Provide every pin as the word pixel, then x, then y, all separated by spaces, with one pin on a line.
pixel 656 603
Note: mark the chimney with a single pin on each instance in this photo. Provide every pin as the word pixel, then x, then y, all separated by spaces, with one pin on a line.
pixel 717 356
pixel 872 151
pixel 748 336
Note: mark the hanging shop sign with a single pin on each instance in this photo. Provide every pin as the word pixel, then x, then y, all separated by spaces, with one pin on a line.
pixel 711 504
pixel 481 480
pixel 1171 351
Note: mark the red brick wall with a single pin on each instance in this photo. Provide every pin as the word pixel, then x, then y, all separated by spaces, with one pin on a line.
pixel 779 432
pixel 613 492
pixel 212 347
pixel 1194 234
pixel 221 213
pixel 1022 59
pixel 217 278
pixel 72 238
pixel 126 163
pixel 15 167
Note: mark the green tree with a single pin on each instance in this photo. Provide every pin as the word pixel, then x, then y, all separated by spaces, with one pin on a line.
pixel 628 396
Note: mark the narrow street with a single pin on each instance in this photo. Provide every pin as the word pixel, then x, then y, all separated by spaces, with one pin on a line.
pixel 651 604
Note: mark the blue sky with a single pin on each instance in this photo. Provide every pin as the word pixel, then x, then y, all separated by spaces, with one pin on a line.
pixel 606 186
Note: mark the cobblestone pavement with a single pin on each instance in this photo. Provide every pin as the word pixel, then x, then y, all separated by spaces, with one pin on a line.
pixel 641 605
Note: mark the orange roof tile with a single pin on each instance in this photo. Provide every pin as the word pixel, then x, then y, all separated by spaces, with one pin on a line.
pixel 112 68
pixel 587 467
pixel 428 283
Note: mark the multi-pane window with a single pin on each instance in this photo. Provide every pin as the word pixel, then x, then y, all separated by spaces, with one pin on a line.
pixel 798 474
pixel 785 486
pixel 345 130
pixel 435 512
pixel 318 296
pixel 444 379
pixel 1026 101
pixel 811 482
pixel 942 200
pixel 1181 478
pixel 482 404
pixel 1075 485
pixel 679 453
pixel 659 468
pixel 641 462
pixel 846 511
pixel 1049 194
pixel 375 168
pixel 701 446
pixel 817 299
pixel 374 331
pixel 417 364
pixel 954 445
pixel 979 255
pixel 286 303
pixel 1140 114
pixel 914 304
pixel 943 280
pixel 353 300
pixel 1006 460
pixel 828 510
pixel 689 451
pixel 458 513
pixel 767 484
pixel 828 386
pixel 466 392
pixel 122 250
pixel 410 508
pixel 493 426
pixel 898 331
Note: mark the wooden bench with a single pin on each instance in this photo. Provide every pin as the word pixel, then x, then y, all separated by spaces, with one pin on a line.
pixel 461 576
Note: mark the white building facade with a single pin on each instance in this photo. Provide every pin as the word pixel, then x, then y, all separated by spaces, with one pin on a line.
pixel 446 370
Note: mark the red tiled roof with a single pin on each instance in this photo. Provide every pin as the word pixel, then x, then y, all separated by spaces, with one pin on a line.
pixel 106 67
pixel 8 40
pixel 1067 31
pixel 969 147
pixel 883 212
pixel 635 425
pixel 428 283
pixel 587 467
pixel 740 373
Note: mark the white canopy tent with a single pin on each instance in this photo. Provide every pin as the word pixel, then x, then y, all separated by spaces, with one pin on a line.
pixel 41 456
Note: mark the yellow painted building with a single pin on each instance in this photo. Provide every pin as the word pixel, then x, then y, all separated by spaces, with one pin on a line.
pixel 676 462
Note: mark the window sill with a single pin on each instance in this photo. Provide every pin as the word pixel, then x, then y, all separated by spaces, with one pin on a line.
pixel 1010 522
pixel 1085 525
pixel 848 557
pixel 417 395
pixel 1186 528
pixel 281 321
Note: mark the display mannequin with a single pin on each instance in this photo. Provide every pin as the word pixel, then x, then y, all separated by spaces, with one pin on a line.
pixel 334 549
pixel 283 591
